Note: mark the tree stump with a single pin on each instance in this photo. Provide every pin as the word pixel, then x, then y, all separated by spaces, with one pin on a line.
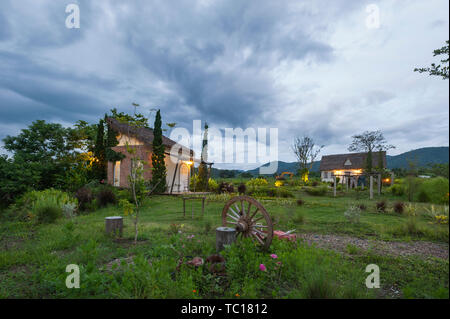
pixel 224 236
pixel 114 224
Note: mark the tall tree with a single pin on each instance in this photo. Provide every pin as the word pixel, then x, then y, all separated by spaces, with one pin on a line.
pixel 203 167
pixel 368 142
pixel 99 152
pixel 111 141
pixel 158 164
pixel 438 70
pixel 306 152
pixel 49 145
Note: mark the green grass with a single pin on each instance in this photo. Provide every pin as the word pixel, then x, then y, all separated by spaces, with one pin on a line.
pixel 33 257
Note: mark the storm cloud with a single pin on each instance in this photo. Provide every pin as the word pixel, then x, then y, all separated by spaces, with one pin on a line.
pixel 304 67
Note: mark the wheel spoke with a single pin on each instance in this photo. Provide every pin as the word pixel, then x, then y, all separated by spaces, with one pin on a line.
pixel 260 226
pixel 259 218
pixel 238 210
pixel 232 217
pixel 257 237
pixel 260 232
pixel 254 213
pixel 234 213
pixel 248 210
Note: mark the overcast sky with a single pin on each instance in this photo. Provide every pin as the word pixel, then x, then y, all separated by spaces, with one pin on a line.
pixel 304 67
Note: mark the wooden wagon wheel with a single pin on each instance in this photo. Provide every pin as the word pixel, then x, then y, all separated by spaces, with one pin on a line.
pixel 250 219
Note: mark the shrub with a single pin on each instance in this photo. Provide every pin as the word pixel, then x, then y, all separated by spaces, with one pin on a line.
pixel 381 206
pixel 399 207
pixel 352 214
pixel 242 188
pixel 48 205
pixel 47 213
pixel 69 210
pixel 84 196
pixel 423 196
pixel 314 183
pixel 270 192
pixel 434 190
pixel 225 187
pixel 316 191
pixel 362 207
pixel 300 202
pixel 397 190
pixel 212 185
pixel 106 196
pixel 255 182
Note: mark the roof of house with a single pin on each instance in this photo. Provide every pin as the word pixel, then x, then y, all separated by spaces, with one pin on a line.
pixel 349 161
pixel 143 134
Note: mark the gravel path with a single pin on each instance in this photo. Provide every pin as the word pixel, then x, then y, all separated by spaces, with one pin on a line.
pixel 340 243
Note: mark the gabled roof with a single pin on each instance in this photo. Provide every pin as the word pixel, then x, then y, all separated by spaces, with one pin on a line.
pixel 143 134
pixel 356 161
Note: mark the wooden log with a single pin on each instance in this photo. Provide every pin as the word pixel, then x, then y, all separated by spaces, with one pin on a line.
pixel 114 225
pixel 371 187
pixel 224 236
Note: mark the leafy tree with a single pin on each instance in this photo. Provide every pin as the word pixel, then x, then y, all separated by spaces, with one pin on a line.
pixel 369 142
pixel 438 70
pixel 16 178
pixel 49 145
pixel 159 166
pixel 306 152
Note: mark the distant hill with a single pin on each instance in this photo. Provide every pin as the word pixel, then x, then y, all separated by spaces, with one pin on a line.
pixel 423 156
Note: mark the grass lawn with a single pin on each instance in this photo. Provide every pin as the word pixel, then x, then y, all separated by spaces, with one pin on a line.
pixel 33 258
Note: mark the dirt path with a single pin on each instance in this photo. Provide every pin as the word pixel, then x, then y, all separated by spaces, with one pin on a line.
pixel 340 243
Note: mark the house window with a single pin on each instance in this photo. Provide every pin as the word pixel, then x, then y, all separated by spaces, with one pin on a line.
pixel 116 174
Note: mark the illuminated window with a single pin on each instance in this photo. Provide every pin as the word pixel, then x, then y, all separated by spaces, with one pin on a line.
pixel 116 173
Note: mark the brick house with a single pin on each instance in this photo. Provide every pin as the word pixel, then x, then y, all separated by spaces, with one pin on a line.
pixel 178 166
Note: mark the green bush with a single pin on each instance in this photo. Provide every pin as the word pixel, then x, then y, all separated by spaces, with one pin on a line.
pixel 256 182
pixel 396 190
pixel 270 192
pixel 212 185
pixel 46 206
pixel 106 196
pixel 47 212
pixel 434 190
pixel 316 191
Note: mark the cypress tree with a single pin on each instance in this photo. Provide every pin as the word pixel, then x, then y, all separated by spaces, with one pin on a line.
pixel 99 152
pixel 111 141
pixel 158 164
pixel 202 168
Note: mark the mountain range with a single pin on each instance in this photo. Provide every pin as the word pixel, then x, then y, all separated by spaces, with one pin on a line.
pixel 422 156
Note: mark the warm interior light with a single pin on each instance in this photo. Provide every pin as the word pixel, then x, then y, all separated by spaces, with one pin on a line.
pixel 188 162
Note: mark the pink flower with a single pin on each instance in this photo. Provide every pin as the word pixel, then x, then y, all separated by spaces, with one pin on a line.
pixel 262 267
pixel 274 256
pixel 279 263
